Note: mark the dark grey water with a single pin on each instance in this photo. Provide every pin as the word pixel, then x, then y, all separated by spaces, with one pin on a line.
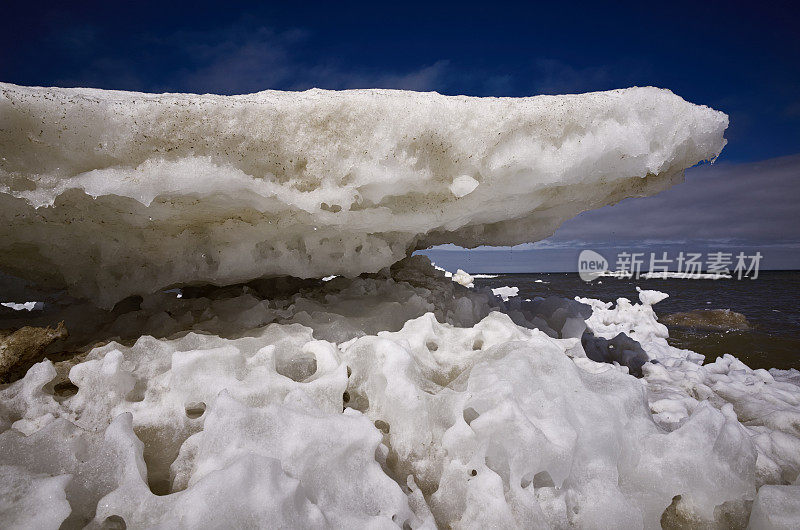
pixel 770 303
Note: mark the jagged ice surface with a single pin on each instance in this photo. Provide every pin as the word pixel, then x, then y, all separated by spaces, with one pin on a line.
pixel 485 414
pixel 110 193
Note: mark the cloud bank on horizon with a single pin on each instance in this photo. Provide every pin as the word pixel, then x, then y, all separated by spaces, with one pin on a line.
pixel 722 204
pixel 720 207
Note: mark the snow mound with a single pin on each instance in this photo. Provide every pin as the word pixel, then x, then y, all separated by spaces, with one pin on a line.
pixel 110 194
pixel 458 417
pixel 776 507
pixel 439 424
pixel 463 278
pixel 766 403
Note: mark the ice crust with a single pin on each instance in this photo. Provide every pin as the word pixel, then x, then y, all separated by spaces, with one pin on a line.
pixel 480 413
pixel 111 193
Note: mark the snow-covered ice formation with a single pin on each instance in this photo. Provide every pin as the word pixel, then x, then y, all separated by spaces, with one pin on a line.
pixel 481 413
pixel 403 397
pixel 505 292
pixel 463 278
pixel 112 193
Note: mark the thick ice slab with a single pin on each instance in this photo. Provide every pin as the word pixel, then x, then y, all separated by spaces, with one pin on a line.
pixel 118 193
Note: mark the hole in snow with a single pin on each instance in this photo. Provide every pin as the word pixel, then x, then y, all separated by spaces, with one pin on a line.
pixel 114 522
pixel 432 346
pixel 526 480
pixel 65 389
pixel 382 426
pixel 672 517
pixel 470 415
pixel 161 448
pixel 137 393
pixel 473 473
pixel 297 367
pixel 357 401
pixel 542 479
pixel 335 208
pixel 195 410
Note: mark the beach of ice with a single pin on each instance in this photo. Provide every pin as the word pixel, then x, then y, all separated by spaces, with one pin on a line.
pixel 379 391
pixel 467 411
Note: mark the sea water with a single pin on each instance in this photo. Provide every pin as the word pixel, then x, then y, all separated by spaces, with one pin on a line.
pixel 769 303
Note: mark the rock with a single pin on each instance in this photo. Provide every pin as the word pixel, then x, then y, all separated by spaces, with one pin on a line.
pixel 707 319
pixel 18 349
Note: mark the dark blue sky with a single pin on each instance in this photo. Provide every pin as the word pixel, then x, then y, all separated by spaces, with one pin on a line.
pixel 741 58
